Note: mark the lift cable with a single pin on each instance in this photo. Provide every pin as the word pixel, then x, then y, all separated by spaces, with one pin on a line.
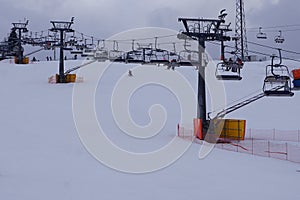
pixel 275 27
pixel 260 53
pixel 129 40
pixel 270 47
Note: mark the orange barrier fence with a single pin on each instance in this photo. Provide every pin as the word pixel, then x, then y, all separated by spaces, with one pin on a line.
pixel 272 143
pixel 274 134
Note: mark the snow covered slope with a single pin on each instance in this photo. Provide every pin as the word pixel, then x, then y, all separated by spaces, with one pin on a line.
pixel 41 156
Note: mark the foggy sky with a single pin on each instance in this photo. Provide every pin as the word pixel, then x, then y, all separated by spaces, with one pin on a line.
pixel 103 18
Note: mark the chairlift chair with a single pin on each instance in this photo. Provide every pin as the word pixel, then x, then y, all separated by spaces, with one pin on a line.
pixel 261 35
pixel 279 39
pixel 277 86
pixel 88 52
pixel 101 55
pixel 48 43
pixel 135 56
pixel 76 51
pixel 228 70
pixel 159 56
pixel 115 55
pixel 188 58
pixel 277 81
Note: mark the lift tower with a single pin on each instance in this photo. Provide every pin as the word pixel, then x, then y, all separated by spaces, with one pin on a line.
pixel 240 31
pixel 20 27
pixel 204 30
pixel 62 27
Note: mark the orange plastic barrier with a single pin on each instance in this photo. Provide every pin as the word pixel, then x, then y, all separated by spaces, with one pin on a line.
pixel 198 129
pixel 296 74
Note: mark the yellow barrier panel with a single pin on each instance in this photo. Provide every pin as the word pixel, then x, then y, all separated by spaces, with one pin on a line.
pixel 70 78
pixel 24 61
pixel 231 129
pixel 234 129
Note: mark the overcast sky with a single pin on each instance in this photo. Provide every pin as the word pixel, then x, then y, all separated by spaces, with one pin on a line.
pixel 103 18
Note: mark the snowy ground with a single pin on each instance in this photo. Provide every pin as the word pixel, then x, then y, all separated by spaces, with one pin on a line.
pixel 41 156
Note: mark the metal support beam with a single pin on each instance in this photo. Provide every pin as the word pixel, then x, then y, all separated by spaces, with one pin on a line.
pixel 208 30
pixel 240 31
pixel 61 27
pixel 20 52
pixel 61 58
pixel 20 27
pixel 201 113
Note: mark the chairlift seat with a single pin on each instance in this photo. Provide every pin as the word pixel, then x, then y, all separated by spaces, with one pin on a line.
pixel 159 61
pixel 76 52
pixel 277 79
pixel 101 54
pixel 135 61
pixel 185 63
pixel 229 77
pixel 262 36
pixel 120 59
pixel 280 93
pixel 279 40
pixel 68 48
pixel 228 71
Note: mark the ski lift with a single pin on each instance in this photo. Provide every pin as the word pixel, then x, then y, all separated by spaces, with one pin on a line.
pixel 76 51
pixel 173 58
pixel 101 54
pixel 49 40
pixel 88 52
pixel 279 39
pixel 228 69
pixel 261 35
pixel 159 56
pixel 188 57
pixel 48 43
pixel 136 55
pixel 277 81
pixel 115 55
